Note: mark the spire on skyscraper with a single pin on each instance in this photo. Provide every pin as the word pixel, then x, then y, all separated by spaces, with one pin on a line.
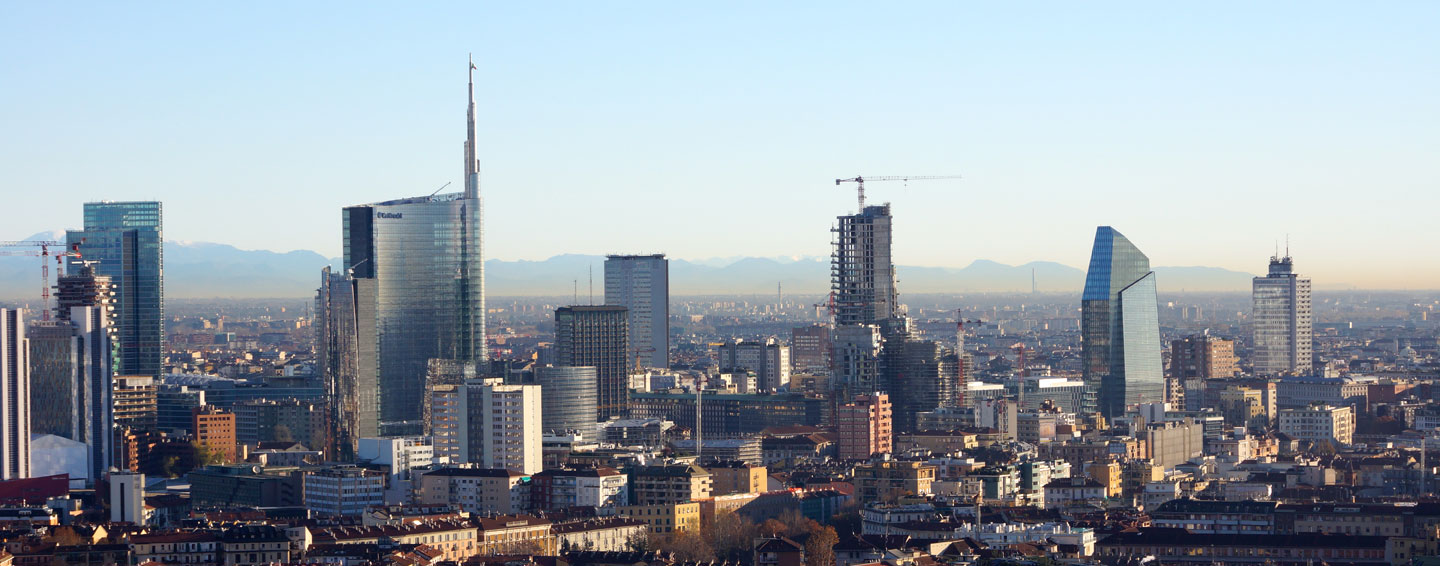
pixel 472 163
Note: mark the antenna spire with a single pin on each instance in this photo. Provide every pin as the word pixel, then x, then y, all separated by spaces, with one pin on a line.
pixel 472 163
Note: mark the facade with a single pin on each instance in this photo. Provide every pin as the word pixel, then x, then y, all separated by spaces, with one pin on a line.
pixel 677 483
pixel 641 284
pixel 561 489
pixel 1202 356
pixel 135 403
pixel 486 422
pixel 920 375
pixel 875 481
pixel 175 407
pixel 855 359
pixel 1120 327
pixel 1321 422
pixel 124 241
pixel 738 477
pixel 343 490
pixel 810 349
pixel 863 426
pixel 475 490
pixel 215 432
pixel 769 359
pixel 286 420
pixel 567 399
pixel 665 519
pixel 597 336
pixel 14 396
pixel 1283 338
pixel 127 498
pixel 725 414
pixel 72 388
pixel 399 453
pixel 344 313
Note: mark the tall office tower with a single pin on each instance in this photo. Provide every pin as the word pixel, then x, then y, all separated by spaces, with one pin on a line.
pixel 1283 335
pixel 855 359
pixel 71 393
pixel 486 422
pixel 424 257
pixel 567 396
pixel 920 375
pixel 1120 327
pixel 862 276
pixel 863 426
pixel 345 353
pixel 124 241
pixel 83 287
pixel 597 336
pixel 810 348
pixel 641 284
pixel 769 359
pixel 14 396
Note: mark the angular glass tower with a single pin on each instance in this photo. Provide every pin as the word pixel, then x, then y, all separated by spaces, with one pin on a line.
pixel 1120 328
pixel 124 240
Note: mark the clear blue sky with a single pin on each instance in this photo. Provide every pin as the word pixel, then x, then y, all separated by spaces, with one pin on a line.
pixel 1204 132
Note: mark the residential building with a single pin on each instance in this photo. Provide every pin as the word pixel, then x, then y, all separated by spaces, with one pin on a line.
pixel 641 284
pixel 1120 328
pixel 398 453
pixel 863 426
pixel 475 490
pixel 176 547
pixel 1216 517
pixel 14 396
pixel 885 479
pixel 486 422
pixel 735 476
pixel 1175 442
pixel 768 358
pixel 135 402
pixel 566 488
pixel 600 534
pixel 124 242
pixel 127 498
pixel 665 484
pixel 1281 321
pixel 1073 490
pixel 215 432
pixel 597 336
pixel 567 399
pixel 453 539
pixel 1319 422
pixel 1202 356
pixel 665 518
pixel 1174 546
pixel 855 359
pixel 862 276
pixel 256 545
pixel 725 449
pixel 343 490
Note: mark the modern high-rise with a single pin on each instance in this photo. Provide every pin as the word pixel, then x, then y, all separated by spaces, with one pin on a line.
pixel 71 392
pixel 862 276
pixel 769 359
pixel 920 375
pixel 423 256
pixel 345 353
pixel 486 422
pixel 1283 336
pixel 855 359
pixel 567 399
pixel 596 336
pixel 14 396
pixel 641 284
pixel 810 348
pixel 1202 356
pixel 1120 327
pixel 124 241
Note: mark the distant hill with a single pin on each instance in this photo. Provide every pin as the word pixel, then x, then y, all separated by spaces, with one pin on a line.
pixel 202 270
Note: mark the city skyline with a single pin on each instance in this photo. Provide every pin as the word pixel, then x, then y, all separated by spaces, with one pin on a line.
pixel 1231 121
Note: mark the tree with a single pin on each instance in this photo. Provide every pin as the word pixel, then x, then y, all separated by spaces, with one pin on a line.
pixel 207 456
pixel 281 433
pixel 796 523
pixel 731 536
pixel 688 547
pixel 820 547
pixel 847 522
pixel 771 528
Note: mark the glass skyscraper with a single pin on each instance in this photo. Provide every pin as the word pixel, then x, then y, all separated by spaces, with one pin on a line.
pixel 125 240
pixel 1283 332
pixel 1120 328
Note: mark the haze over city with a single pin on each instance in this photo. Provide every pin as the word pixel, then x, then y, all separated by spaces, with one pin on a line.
pixel 1206 134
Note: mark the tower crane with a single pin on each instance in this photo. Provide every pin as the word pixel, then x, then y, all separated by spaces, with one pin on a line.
pixel 860 183
pixel 44 255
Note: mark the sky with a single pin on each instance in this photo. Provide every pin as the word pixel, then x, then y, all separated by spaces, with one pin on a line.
pixel 1205 132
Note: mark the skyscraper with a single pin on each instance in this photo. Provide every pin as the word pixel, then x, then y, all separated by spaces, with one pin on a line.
pixel 1120 327
pixel 124 241
pixel 486 422
pixel 71 393
pixel 862 276
pixel 567 397
pixel 920 375
pixel 1283 333
pixel 14 396
pixel 423 256
pixel 641 284
pixel 345 353
pixel 596 336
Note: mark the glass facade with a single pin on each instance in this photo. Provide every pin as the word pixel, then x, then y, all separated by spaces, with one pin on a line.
pixel 641 284
pixel 597 336
pixel 1283 339
pixel 862 277
pixel 126 240
pixel 567 399
pixel 1120 327
pixel 423 257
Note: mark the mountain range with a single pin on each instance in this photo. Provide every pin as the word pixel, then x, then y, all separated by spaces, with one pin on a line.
pixel 206 270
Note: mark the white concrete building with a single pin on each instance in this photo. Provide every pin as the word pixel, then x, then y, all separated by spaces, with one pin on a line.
pixel 343 490
pixel 127 498
pixel 1320 422
pixel 769 359
pixel 489 423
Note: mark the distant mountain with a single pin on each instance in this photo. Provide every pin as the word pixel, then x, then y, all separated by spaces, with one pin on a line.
pixel 203 270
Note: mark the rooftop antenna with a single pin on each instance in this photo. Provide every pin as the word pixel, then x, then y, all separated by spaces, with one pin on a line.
pixel 577 293
pixel 592 285
pixel 442 187
pixel 1287 246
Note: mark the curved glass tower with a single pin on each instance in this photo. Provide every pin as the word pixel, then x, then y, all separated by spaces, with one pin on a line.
pixel 1120 327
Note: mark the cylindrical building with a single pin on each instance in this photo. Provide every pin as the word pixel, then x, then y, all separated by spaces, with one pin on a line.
pixel 567 398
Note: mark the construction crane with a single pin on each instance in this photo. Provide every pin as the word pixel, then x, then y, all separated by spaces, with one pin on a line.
pixel 860 183
pixel 44 255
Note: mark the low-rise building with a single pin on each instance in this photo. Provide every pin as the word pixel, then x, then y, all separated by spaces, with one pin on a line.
pixel 558 490
pixel 737 477
pixel 343 490
pixel 677 483
pixel 475 490
pixel 1319 422
pixel 883 479
pixel 665 518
